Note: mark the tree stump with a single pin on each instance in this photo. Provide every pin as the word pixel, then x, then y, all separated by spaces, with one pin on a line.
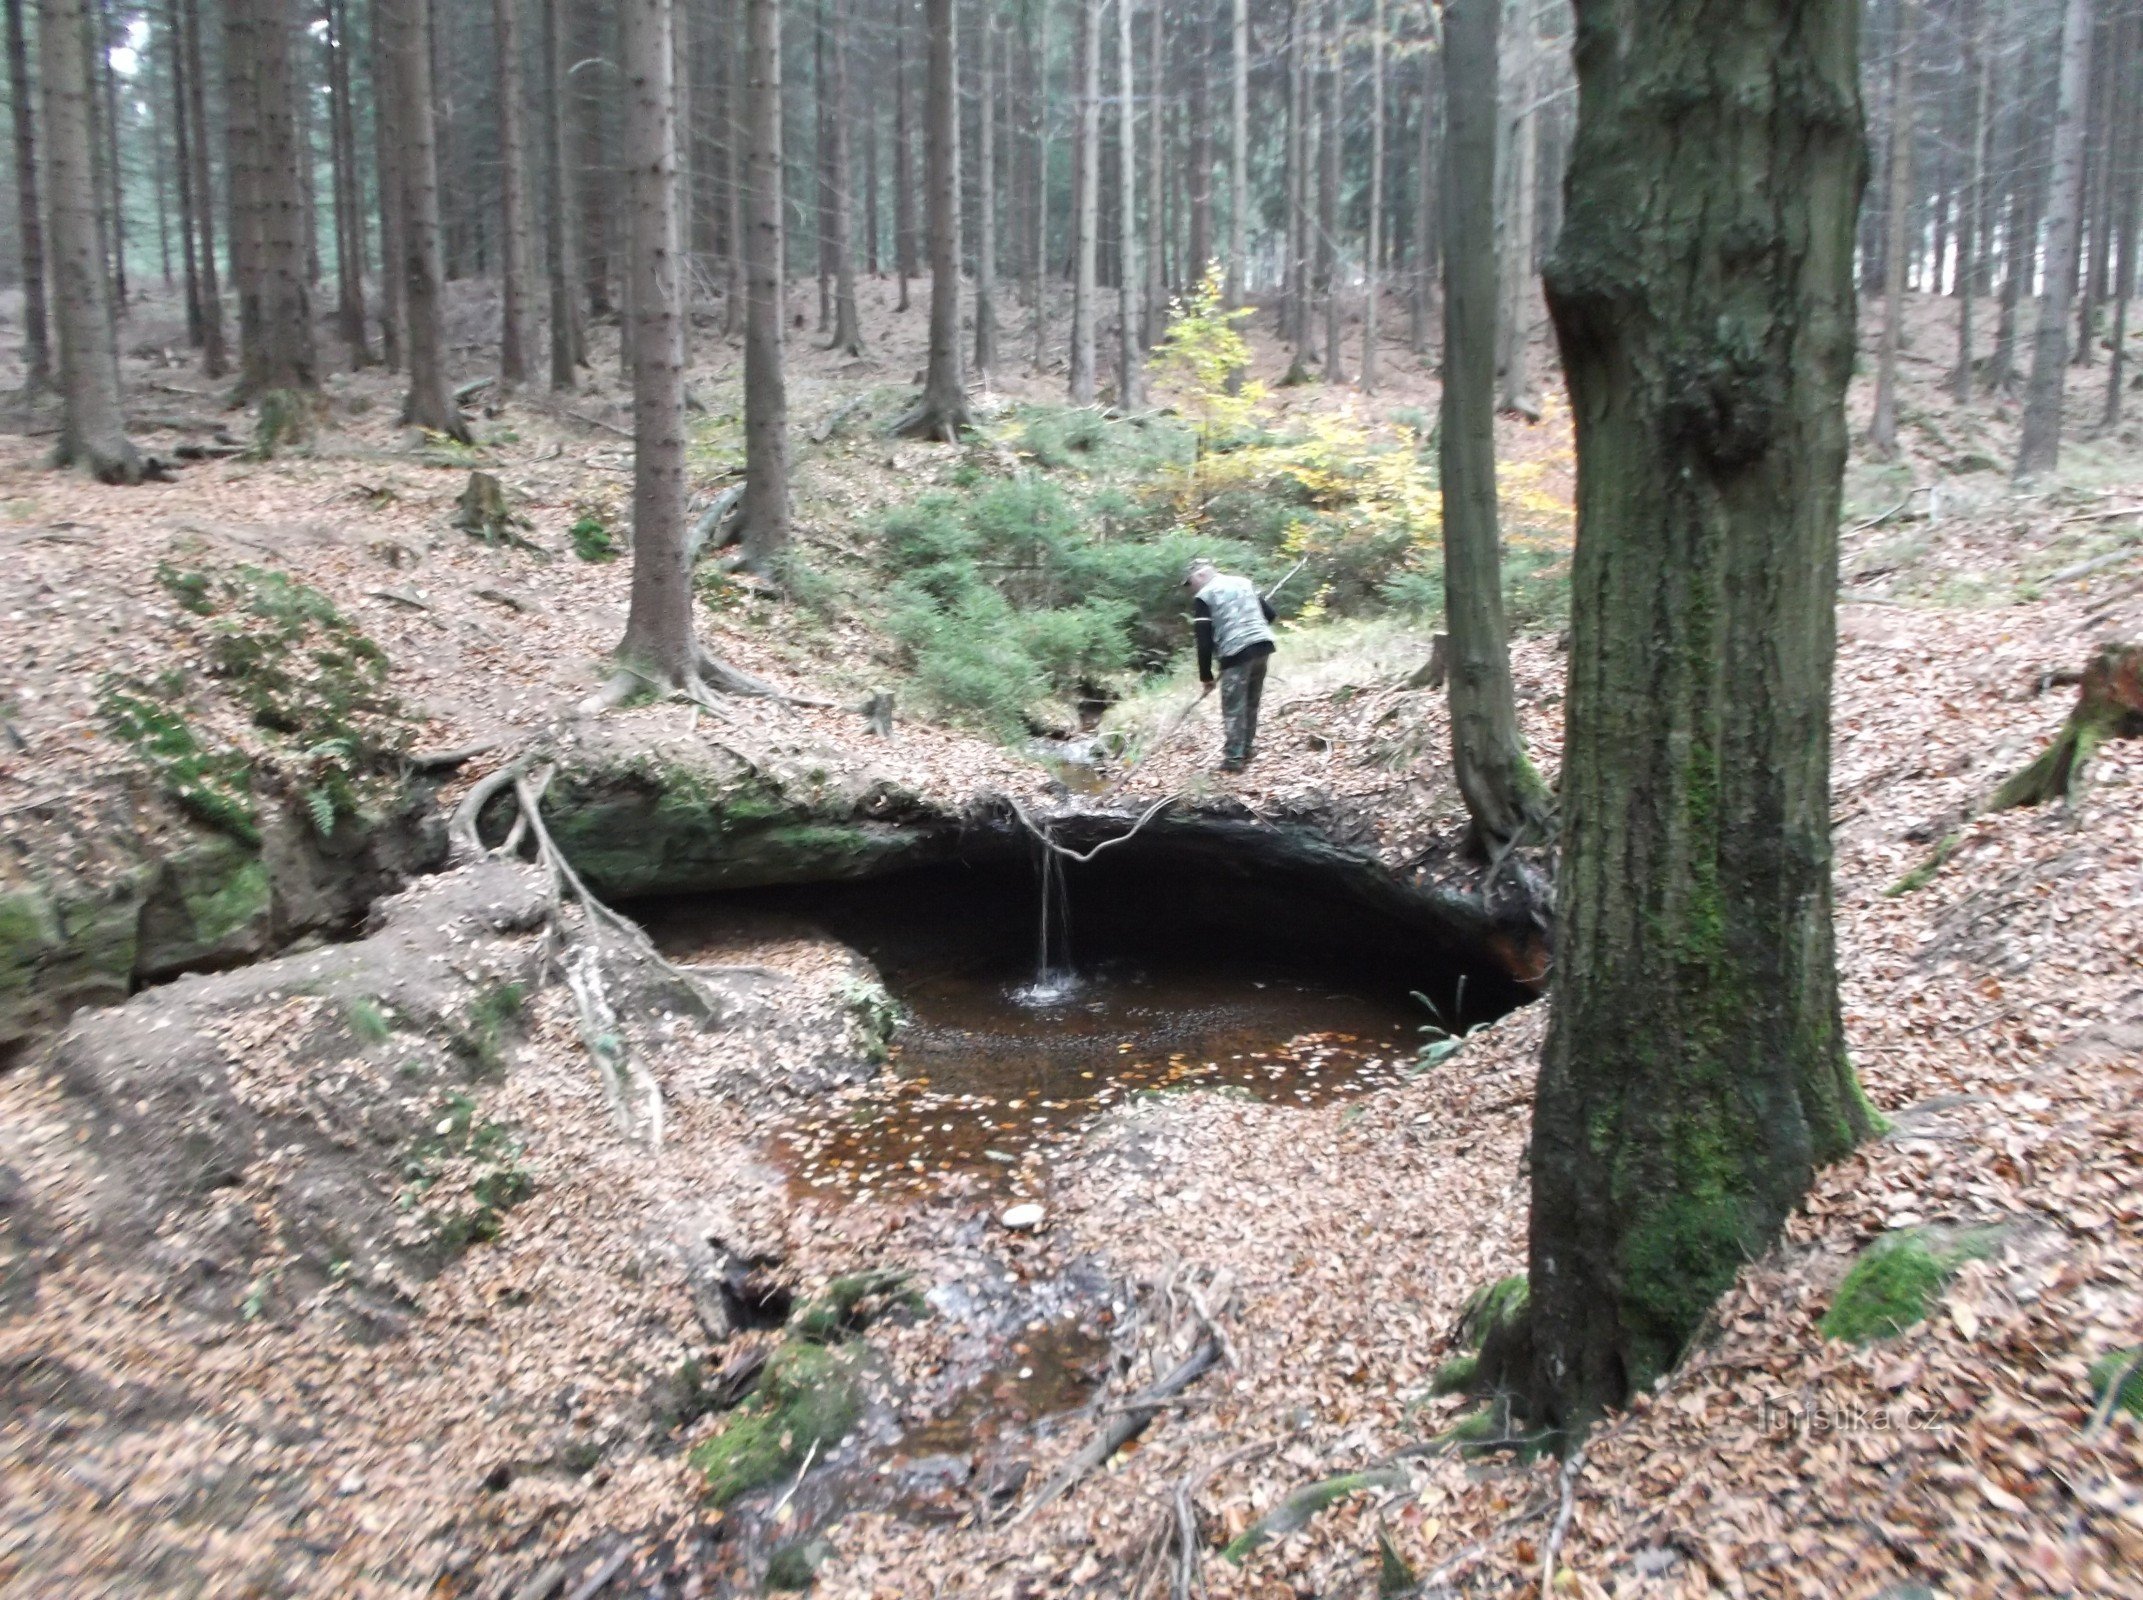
pixel 2109 705
pixel 483 513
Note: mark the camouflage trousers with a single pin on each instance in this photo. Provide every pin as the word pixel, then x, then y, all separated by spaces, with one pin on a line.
pixel 1241 688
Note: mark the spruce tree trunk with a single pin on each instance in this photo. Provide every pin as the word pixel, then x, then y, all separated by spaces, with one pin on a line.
pixel 215 360
pixel 735 170
pixel 29 212
pixel 349 189
pixel 431 401
pixel 1329 151
pixel 280 355
pixel 1882 429
pixel 942 412
pixel 1154 239
pixel 658 643
pixel 1374 259
pixel 903 155
pixel 1702 294
pixel 765 508
pixel 1425 205
pixel 114 208
pixel 1504 796
pixel 1086 200
pixel 513 197
pixel 847 321
pixel 1239 160
pixel 2128 179
pixel 557 245
pixel 93 425
pixel 1130 359
pixel 1197 59
pixel 1514 318
pixel 2040 447
pixel 1971 227
pixel 183 136
pixel 1039 266
pixel 2020 229
pixel 986 194
pixel 821 84
pixel 1295 294
pixel 387 167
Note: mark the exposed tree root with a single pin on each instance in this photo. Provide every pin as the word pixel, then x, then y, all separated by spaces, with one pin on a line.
pixel 2109 705
pixel 1128 1423
pixel 1066 851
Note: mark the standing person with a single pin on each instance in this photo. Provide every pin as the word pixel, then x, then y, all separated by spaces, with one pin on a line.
pixel 1233 623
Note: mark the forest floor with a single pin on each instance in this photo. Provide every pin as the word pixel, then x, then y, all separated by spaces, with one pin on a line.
pixel 1994 1009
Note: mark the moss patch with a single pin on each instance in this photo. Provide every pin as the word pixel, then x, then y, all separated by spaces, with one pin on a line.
pixel 1894 1283
pixel 808 1398
pixel 851 1303
pixel 2124 1367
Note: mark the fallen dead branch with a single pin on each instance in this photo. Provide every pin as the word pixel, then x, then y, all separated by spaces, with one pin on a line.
pixel 1136 1414
pixel 1066 851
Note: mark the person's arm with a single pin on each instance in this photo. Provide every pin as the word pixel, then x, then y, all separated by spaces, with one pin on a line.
pixel 1202 628
pixel 1270 614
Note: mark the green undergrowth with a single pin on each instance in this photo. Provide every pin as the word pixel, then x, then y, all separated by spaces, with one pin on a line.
pixel 482 1037
pixel 1895 1281
pixel 807 1400
pixel 464 1175
pixel 2123 1367
pixel 312 688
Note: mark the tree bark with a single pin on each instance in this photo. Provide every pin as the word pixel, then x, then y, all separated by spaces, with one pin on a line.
pixel 108 38
pixel 1374 259
pixel 942 412
pixel 2127 177
pixel 29 214
pixel 1514 320
pixel 736 176
pixel 1425 203
pixel 215 360
pixel 1039 267
pixel 1239 160
pixel 2040 447
pixel 513 197
pixel 93 425
pixel 183 135
pixel 274 288
pixel 1504 796
pixel 1702 294
pixel 659 645
pixel 1154 237
pixel 1086 201
pixel 1301 125
pixel 558 251
pixel 987 46
pixel 430 403
pixel 1882 429
pixel 1130 359
pixel 847 321
pixel 1329 150
pixel 1198 197
pixel 1972 203
pixel 765 507
pixel 387 166
pixel 349 188
pixel 903 156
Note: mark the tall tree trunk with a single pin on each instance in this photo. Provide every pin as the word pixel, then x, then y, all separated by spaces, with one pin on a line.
pixel 1130 359
pixel 1514 320
pixel 431 400
pixel 29 214
pixel 1425 204
pixel 300 101
pixel 276 352
pixel 847 321
pixel 1039 272
pixel 1882 429
pixel 1086 200
pixel 215 360
pixel 821 86
pixel 589 106
pixel 2020 233
pixel 2128 146
pixel 93 427
pixel 105 26
pixel 1702 293
pixel 1330 266
pixel 942 412
pixel 1154 239
pixel 766 397
pixel 558 251
pixel 183 135
pixel 1239 159
pixel 349 187
pixel 1504 796
pixel 160 179
pixel 2040 447
pixel 987 46
pixel 2094 214
pixel 1971 224
pixel 871 245
pixel 658 645
pixel 736 172
pixel 388 157
pixel 903 155
pixel 1197 64
pixel 1301 126
pixel 1374 259
pixel 513 197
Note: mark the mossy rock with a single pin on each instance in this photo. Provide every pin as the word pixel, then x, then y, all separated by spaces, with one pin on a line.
pixel 212 904
pixel 1456 1375
pixel 851 1303
pixel 795 1567
pixel 1493 1308
pixel 1894 1283
pixel 62 949
pixel 2124 1367
pixel 808 1399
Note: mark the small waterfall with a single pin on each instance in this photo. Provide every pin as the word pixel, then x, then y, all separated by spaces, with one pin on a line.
pixel 1054 979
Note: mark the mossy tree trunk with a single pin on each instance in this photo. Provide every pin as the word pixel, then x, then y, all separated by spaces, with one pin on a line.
pixel 1702 294
pixel 1504 796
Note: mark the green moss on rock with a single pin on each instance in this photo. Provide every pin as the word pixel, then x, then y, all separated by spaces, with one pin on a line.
pixel 808 1399
pixel 1894 1283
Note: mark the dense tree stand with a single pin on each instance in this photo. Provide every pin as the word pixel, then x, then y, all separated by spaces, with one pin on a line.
pixel 941 412
pixel 1702 293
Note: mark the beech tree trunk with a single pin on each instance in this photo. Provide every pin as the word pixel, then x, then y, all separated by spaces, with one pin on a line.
pixel 942 412
pixel 1702 293
pixel 2040 447
pixel 29 212
pixel 658 645
pixel 566 354
pixel 1130 359
pixel 431 401
pixel 513 197
pixel 1882 429
pixel 1504 795
pixel 765 507
pixel 1086 200
pixel 215 360
pixel 93 424
pixel 847 321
